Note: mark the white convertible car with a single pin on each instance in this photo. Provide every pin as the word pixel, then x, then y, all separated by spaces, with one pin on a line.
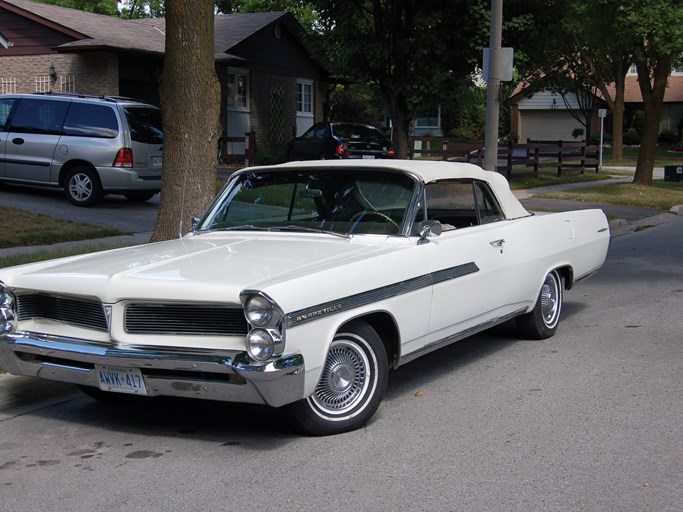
pixel 301 286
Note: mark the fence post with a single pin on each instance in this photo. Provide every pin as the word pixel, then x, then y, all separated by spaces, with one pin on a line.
pixel 249 148
pixel 583 157
pixel 223 147
pixel 559 158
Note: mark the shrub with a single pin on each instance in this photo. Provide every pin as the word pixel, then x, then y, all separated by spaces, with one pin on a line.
pixel 631 137
pixel 667 137
pixel 577 132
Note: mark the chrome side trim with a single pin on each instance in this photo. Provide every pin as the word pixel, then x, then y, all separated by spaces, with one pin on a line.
pixel 458 336
pixel 378 294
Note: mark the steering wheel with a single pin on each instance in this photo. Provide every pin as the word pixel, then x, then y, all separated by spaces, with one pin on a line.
pixel 377 214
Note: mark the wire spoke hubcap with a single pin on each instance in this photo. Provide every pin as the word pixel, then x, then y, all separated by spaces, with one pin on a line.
pixel 550 303
pixel 344 380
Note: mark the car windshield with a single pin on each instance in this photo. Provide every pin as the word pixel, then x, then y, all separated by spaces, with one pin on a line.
pixel 343 201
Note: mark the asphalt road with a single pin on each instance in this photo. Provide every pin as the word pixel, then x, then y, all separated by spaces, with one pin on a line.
pixel 589 420
pixel 114 211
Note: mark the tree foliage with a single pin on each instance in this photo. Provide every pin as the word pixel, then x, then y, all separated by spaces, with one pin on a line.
pixel 656 28
pixel 408 49
pixel 108 7
pixel 595 44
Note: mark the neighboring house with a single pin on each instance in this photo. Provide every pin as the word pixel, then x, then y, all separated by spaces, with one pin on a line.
pixel 270 83
pixel 544 115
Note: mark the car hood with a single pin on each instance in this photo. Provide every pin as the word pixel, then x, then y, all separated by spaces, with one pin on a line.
pixel 204 268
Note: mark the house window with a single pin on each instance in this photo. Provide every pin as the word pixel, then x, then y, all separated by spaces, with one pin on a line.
pixel 238 90
pixel 304 97
pixel 429 118
pixel 8 85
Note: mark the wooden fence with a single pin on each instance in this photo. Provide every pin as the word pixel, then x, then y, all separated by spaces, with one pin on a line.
pixel 565 156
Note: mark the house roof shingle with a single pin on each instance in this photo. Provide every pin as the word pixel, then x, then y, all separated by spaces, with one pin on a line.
pixel 144 35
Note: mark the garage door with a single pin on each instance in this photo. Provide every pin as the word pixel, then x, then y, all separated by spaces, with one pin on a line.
pixel 546 125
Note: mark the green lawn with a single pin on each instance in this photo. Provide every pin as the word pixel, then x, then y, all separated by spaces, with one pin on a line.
pixel 25 229
pixel 662 194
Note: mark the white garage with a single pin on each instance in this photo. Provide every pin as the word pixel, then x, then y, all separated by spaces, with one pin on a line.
pixel 544 116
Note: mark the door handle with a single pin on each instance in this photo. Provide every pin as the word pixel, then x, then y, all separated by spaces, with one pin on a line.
pixel 18 141
pixel 498 243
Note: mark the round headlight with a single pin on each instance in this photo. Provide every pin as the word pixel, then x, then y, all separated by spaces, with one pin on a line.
pixel 8 313
pixel 259 311
pixel 260 344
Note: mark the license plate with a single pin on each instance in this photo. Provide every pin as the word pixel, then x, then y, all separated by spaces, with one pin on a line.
pixel 368 157
pixel 121 380
pixel 157 161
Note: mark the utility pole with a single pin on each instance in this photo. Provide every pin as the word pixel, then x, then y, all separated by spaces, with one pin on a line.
pixel 493 87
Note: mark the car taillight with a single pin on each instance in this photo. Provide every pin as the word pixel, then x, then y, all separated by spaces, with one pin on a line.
pixel 124 158
pixel 342 150
pixel 391 153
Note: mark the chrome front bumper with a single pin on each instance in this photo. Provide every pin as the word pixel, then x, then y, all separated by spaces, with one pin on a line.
pixel 208 374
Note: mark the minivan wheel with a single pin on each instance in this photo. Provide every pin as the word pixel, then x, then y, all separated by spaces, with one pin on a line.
pixel 82 186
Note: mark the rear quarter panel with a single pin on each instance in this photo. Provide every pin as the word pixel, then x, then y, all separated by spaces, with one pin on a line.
pixel 538 244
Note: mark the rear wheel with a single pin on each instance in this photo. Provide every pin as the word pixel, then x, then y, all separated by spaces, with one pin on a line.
pixel 541 322
pixel 351 386
pixel 82 186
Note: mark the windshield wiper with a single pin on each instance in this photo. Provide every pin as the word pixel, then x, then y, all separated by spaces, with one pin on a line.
pixel 241 227
pixel 308 230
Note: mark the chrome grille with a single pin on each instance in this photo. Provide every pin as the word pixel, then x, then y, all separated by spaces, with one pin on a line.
pixel 190 319
pixel 69 310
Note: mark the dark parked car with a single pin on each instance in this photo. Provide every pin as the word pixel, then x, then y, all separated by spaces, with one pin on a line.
pixel 324 141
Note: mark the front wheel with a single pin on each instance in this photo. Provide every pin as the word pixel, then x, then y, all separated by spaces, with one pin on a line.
pixel 351 386
pixel 82 186
pixel 541 322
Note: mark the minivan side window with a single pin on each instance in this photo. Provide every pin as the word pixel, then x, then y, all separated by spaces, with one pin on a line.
pixel 5 108
pixel 145 124
pixel 86 120
pixel 39 116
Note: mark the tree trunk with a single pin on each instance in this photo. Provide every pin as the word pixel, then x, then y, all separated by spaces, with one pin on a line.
pixel 190 106
pixel 653 99
pixel 616 106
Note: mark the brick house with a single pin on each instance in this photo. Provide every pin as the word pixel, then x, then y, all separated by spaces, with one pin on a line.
pixel 270 83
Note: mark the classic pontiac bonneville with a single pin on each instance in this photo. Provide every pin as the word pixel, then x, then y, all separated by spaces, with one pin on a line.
pixel 301 286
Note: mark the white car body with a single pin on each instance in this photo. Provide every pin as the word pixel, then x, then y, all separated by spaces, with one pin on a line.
pixel 418 292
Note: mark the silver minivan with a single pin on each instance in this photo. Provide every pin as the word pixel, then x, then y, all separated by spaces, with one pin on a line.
pixel 87 145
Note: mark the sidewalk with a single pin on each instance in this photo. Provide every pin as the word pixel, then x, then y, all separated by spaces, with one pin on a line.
pixel 32 392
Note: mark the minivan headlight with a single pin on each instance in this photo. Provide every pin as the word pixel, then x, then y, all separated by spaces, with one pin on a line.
pixel 8 310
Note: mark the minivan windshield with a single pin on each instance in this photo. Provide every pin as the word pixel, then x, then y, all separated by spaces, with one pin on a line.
pixel 341 201
pixel 145 124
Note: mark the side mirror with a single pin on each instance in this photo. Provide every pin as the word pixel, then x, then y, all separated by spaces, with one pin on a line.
pixel 428 228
